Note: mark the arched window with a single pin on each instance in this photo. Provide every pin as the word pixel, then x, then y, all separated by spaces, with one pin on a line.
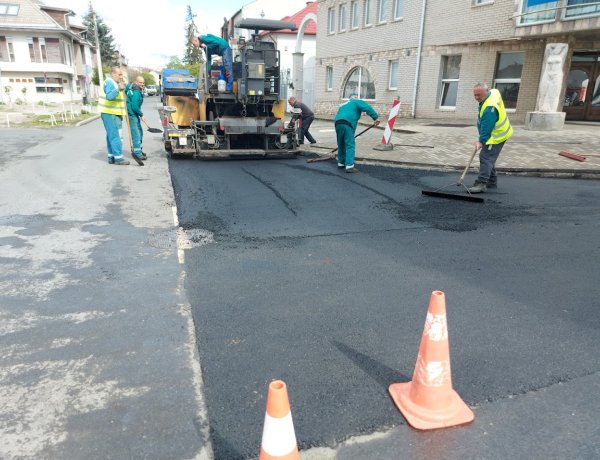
pixel 359 82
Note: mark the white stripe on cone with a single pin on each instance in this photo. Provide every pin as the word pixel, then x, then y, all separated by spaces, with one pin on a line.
pixel 278 435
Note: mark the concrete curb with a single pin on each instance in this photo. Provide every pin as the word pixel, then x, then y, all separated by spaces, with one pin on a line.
pixel 87 120
pixel 532 172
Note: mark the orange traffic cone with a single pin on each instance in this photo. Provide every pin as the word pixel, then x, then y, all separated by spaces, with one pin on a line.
pixel 279 439
pixel 428 401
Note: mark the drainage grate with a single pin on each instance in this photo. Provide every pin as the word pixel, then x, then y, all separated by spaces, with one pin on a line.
pixel 181 239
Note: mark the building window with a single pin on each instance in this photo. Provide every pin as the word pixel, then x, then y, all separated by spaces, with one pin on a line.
pixel 354 15
pixel 331 20
pixel 43 50
pixel 393 76
pixel 11 51
pixel 383 11
pixel 577 8
pixel 534 11
pixel 507 79
pixel 359 83
pixel 31 51
pixel 398 9
pixel 483 2
pixel 329 78
pixel 367 13
pixel 343 16
pixel 8 9
pixel 450 78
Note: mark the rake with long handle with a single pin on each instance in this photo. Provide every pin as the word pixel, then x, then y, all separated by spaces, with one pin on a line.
pixel 453 196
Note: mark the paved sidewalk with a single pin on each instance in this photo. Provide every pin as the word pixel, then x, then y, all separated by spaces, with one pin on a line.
pixel 448 144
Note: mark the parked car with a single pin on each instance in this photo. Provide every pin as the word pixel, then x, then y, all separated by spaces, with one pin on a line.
pixel 151 90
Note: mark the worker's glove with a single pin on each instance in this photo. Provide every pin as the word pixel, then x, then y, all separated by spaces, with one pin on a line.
pixel 376 123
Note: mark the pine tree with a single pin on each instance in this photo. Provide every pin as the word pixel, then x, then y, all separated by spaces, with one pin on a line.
pixel 192 54
pixel 108 53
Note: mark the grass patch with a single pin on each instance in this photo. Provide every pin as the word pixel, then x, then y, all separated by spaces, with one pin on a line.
pixel 43 121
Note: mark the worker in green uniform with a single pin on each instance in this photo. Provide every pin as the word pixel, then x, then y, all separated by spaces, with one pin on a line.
pixel 135 99
pixel 346 120
pixel 216 45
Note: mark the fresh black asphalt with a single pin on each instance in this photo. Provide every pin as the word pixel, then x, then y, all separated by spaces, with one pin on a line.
pixel 322 279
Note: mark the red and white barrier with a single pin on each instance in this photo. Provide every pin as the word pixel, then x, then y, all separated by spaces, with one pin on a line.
pixel 387 133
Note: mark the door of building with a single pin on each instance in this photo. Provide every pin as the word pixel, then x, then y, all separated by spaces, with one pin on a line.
pixel 582 96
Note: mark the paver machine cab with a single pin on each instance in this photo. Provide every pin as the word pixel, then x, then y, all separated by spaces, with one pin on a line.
pixel 246 122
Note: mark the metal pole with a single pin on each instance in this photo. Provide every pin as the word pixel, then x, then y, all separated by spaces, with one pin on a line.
pixel 1 88
pixel 98 59
pixel 419 49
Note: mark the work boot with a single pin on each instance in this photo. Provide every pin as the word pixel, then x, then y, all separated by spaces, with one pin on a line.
pixel 122 162
pixel 351 170
pixel 111 160
pixel 492 185
pixel 142 156
pixel 478 187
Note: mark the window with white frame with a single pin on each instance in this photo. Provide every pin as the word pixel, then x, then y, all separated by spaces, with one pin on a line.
pixel 383 11
pixel 31 50
pixel 398 9
pixel 354 15
pixel 360 84
pixel 343 16
pixel 43 50
pixel 11 49
pixel 367 13
pixel 329 78
pixel 450 79
pixel 331 20
pixel 394 66
pixel 507 79
pixel 483 2
pixel 9 9
pixel 535 11
pixel 578 8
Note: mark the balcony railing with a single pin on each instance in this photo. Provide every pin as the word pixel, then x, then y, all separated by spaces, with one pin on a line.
pixel 542 11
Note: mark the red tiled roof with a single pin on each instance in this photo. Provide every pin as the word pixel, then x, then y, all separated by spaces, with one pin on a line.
pixel 311 27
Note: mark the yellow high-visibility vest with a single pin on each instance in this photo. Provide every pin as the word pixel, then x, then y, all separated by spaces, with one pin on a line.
pixel 502 129
pixel 114 107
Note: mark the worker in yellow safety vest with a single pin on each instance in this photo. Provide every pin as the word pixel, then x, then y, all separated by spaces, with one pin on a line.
pixel 494 130
pixel 112 109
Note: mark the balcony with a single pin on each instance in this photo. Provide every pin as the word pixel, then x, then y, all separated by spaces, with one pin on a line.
pixel 543 17
pixel 39 67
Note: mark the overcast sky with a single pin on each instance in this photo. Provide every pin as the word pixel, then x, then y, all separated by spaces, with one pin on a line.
pixel 148 33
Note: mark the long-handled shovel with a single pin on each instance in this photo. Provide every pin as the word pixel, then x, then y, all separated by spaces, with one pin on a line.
pixel 453 196
pixel 151 130
pixel 330 155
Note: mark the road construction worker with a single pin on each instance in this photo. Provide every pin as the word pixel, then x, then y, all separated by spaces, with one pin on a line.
pixel 135 98
pixel 306 117
pixel 346 120
pixel 494 130
pixel 112 108
pixel 216 45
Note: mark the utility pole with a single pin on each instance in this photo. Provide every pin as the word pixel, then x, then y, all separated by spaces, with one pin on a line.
pixel 100 73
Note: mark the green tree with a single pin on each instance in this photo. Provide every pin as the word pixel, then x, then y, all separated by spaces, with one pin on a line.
pixel 95 78
pixel 192 55
pixel 174 63
pixel 148 78
pixel 108 53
